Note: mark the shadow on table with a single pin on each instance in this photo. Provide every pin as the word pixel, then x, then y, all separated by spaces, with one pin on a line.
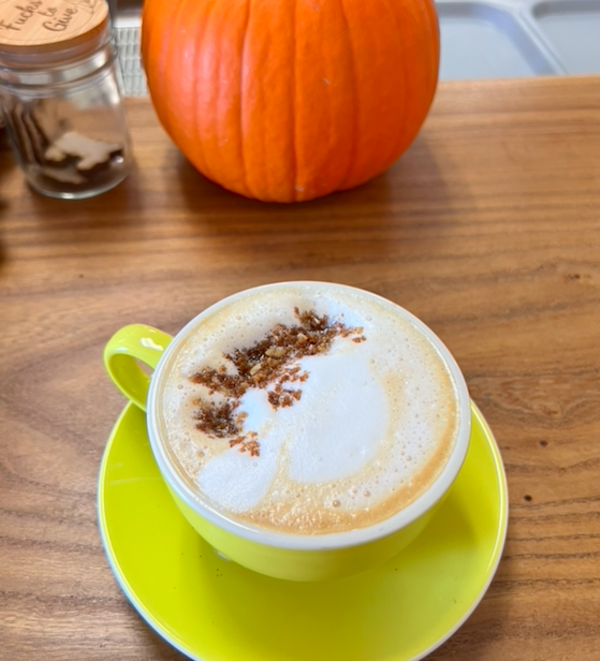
pixel 114 209
pixel 394 212
pixel 413 178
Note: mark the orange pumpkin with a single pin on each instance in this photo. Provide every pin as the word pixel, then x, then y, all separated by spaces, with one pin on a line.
pixel 288 100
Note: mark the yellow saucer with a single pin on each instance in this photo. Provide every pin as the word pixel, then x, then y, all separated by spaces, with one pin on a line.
pixel 214 610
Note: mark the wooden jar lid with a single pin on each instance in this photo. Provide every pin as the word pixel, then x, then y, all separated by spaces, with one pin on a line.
pixel 43 25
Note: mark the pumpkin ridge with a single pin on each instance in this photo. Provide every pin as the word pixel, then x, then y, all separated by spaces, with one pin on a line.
pixel 405 77
pixel 433 16
pixel 217 98
pixel 352 156
pixel 172 29
pixel 428 8
pixel 294 95
pixel 197 127
pixel 242 80
pixel 434 21
pixel 160 62
pixel 425 8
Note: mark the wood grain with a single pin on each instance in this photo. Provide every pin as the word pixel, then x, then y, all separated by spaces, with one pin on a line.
pixel 487 229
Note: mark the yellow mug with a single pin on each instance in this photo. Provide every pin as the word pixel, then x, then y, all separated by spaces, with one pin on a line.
pixel 278 554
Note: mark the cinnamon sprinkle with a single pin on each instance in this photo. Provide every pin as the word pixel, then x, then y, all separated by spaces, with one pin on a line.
pixel 268 364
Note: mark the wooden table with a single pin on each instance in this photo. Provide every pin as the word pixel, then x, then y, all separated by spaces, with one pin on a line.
pixel 488 228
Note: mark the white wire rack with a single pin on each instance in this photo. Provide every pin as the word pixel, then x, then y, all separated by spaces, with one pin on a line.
pixel 127 38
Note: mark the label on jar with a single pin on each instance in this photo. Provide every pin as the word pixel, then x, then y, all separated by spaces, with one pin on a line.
pixel 41 22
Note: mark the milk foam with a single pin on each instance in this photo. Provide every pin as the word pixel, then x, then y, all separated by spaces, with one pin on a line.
pixel 372 429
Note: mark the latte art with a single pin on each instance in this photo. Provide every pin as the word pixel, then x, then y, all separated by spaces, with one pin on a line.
pixel 308 409
pixel 271 364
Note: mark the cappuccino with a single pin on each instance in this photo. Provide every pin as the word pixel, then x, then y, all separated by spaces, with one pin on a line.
pixel 307 409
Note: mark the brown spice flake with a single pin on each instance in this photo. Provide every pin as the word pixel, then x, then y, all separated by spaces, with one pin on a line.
pixel 252 447
pixel 247 444
pixel 269 363
pixel 280 398
pixel 215 419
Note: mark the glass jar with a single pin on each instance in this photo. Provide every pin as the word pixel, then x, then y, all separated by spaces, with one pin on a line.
pixel 60 95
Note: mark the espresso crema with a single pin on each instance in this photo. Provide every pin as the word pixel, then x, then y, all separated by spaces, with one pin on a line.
pixel 307 409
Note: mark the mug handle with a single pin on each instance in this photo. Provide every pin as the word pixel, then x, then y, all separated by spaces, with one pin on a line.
pixel 128 345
